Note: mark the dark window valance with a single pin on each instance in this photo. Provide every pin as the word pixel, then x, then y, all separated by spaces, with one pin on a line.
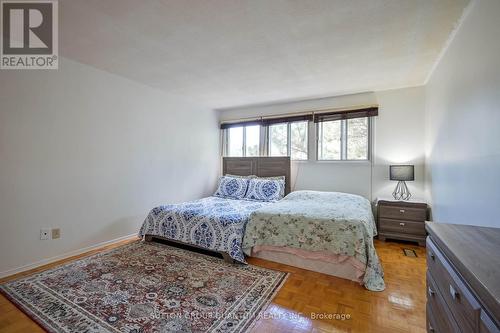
pixel 241 123
pixel 346 114
pixel 267 121
pixel 287 119
pixel 317 117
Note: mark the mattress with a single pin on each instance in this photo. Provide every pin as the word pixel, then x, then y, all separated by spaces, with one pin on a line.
pixel 338 223
pixel 213 223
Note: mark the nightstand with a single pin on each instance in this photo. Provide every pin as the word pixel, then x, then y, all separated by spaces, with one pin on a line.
pixel 402 220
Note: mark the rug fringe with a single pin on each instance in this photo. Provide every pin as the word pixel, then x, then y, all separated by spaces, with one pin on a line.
pixel 268 302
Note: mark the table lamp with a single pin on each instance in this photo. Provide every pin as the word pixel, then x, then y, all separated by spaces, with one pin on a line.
pixel 402 173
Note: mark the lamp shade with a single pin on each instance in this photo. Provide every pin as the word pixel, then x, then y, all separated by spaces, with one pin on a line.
pixel 402 172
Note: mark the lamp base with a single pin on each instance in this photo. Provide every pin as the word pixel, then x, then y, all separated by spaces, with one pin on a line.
pixel 401 192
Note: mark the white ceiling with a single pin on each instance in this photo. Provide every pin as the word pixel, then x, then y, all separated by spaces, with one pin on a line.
pixel 227 53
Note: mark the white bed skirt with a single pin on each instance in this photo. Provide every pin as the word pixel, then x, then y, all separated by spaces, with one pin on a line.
pixel 331 265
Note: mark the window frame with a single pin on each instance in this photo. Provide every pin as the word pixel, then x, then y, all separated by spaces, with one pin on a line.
pixel 288 140
pixel 259 149
pixel 312 137
pixel 268 140
pixel 265 142
pixel 308 139
pixel 227 138
pixel 344 138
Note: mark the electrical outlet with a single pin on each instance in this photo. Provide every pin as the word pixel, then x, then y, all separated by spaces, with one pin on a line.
pixel 56 233
pixel 44 234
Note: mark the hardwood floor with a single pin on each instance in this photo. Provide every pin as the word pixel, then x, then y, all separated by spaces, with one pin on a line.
pixel 399 308
pixel 307 295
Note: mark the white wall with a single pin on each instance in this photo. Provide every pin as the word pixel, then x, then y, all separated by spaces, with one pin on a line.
pixel 91 153
pixel 462 121
pixel 398 138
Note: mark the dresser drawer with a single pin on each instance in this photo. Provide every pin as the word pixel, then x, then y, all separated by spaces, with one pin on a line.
pixel 431 321
pixel 440 318
pixel 403 213
pixel 402 226
pixel 486 325
pixel 465 308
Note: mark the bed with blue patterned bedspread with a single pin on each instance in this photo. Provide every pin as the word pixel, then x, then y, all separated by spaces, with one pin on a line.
pixel 212 223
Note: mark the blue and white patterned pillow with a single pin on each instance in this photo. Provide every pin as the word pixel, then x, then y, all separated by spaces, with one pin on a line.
pixel 232 187
pixel 266 189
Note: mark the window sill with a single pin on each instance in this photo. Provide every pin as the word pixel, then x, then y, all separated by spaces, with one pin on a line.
pixel 368 162
pixel 356 162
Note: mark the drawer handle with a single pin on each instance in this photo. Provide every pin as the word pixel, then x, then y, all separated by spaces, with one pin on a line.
pixel 431 292
pixel 454 293
pixel 402 224
pixel 402 211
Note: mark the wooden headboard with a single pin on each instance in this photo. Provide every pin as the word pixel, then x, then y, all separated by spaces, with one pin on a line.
pixel 259 166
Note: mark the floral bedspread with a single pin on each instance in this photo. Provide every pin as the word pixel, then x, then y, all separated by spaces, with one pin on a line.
pixel 213 223
pixel 317 221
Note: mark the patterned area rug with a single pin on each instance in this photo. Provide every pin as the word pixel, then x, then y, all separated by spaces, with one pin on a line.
pixel 146 287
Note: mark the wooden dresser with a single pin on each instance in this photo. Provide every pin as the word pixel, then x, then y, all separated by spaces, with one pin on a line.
pixel 463 278
pixel 404 220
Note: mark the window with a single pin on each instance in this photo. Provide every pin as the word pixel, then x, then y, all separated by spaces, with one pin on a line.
pixel 342 135
pixel 298 137
pixel 346 139
pixel 243 141
pixel 235 141
pixel 278 140
pixel 283 139
pixel 357 139
pixel 329 143
pixel 288 139
pixel 252 140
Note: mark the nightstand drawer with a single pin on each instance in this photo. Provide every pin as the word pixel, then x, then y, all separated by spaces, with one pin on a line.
pixel 402 226
pixel 403 213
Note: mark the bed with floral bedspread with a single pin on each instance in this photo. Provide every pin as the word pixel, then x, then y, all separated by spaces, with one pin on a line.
pixel 213 223
pixel 339 223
